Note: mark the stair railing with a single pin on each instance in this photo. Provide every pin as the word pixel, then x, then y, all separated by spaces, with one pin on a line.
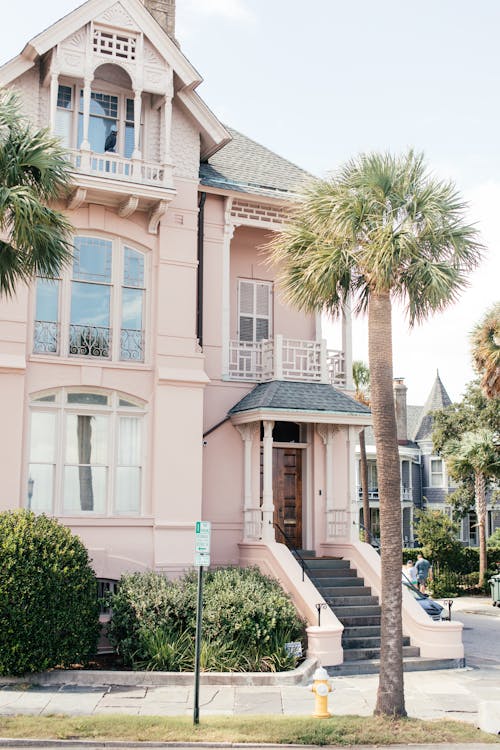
pixel 373 540
pixel 291 545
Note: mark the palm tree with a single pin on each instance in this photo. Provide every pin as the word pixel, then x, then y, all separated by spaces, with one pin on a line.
pixel 477 452
pixel 33 172
pixel 361 378
pixel 380 228
pixel 486 351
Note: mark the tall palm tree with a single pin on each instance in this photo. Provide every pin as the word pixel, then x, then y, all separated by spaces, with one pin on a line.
pixel 486 351
pixel 361 379
pixel 33 172
pixel 476 452
pixel 380 228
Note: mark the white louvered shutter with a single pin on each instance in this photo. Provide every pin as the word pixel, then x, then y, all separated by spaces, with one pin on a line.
pixel 254 315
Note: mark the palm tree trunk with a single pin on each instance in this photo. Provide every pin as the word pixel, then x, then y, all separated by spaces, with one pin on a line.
pixel 480 493
pixel 363 471
pixel 390 697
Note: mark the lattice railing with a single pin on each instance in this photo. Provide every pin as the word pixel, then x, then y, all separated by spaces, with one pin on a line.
pixel 301 360
pixel 335 362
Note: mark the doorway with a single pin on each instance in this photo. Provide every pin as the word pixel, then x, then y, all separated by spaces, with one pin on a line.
pixel 287 495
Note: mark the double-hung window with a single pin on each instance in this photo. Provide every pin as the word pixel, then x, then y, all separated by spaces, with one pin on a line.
pixel 436 472
pixel 85 454
pixel 96 309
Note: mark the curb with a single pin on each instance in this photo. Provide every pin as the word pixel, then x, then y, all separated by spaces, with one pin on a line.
pixel 107 678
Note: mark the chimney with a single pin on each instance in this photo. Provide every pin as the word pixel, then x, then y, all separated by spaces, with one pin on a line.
pixel 163 11
pixel 400 406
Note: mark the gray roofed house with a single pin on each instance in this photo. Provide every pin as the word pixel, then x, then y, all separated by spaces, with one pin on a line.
pixel 437 399
pixel 294 396
pixel 245 166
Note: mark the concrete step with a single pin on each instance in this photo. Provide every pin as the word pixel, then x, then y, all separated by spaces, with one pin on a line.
pixel 346 601
pixel 328 563
pixel 327 583
pixel 361 631
pixel 331 592
pixel 410 664
pixel 353 611
pixel 320 573
pixel 307 554
pixel 357 654
pixel 355 620
pixel 366 642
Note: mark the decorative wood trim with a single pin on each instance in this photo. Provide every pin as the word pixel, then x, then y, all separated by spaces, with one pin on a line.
pixel 77 198
pixel 155 215
pixel 128 206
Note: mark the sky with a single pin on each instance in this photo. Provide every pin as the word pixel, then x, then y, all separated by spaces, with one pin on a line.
pixel 321 81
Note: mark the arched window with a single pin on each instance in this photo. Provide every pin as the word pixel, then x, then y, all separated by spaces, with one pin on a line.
pixel 97 307
pixel 85 453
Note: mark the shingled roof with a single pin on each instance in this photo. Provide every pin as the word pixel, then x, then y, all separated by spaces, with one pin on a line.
pixel 293 396
pixel 437 399
pixel 245 166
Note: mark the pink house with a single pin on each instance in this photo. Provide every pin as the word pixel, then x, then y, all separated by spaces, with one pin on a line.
pixel 161 379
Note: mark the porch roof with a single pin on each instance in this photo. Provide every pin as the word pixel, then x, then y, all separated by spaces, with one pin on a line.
pixel 299 397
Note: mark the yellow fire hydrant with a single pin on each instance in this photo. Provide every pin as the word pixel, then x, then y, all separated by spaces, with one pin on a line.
pixel 321 687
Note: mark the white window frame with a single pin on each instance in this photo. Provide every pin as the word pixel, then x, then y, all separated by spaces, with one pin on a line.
pixel 117 284
pixel 253 315
pixel 114 411
pixel 433 474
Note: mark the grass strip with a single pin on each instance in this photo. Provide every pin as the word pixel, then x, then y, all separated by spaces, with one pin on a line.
pixel 339 730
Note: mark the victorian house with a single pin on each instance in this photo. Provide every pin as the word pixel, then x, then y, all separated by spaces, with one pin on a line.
pixel 160 379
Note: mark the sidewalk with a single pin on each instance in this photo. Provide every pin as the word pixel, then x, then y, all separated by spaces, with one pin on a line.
pixel 452 694
pixel 476 605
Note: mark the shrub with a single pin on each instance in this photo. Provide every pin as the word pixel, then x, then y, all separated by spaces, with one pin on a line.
pixel 247 618
pixel 49 613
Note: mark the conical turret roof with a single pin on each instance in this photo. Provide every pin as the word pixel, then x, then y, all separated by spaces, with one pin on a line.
pixel 437 399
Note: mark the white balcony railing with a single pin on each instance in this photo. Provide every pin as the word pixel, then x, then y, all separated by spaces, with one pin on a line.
pixel 114 166
pixel 406 494
pixel 286 359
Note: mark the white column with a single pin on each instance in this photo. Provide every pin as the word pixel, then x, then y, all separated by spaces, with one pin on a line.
pixel 267 491
pixel 226 285
pixel 54 87
pixel 352 506
pixel 326 433
pixel 252 516
pixel 167 130
pixel 347 345
pixel 324 362
pixel 137 155
pixel 85 145
pixel 278 357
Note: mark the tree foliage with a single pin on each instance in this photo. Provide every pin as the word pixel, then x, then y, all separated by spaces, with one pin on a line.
pixel 438 535
pixel 49 614
pixel 485 341
pixel 34 170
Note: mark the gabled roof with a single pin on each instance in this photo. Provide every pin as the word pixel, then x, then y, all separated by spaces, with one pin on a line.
pixel 303 397
pixel 214 134
pixel 437 399
pixel 245 166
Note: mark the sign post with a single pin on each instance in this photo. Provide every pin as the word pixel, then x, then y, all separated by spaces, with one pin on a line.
pixel 201 559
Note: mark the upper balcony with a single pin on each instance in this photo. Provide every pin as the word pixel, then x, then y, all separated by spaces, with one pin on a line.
pixel 286 359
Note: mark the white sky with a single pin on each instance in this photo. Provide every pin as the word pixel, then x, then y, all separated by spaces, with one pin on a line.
pixel 322 80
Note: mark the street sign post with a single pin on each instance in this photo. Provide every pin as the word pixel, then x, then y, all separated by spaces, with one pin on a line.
pixel 201 559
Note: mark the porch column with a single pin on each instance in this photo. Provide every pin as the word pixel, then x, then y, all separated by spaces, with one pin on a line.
pixel 167 129
pixel 326 433
pixel 347 345
pixel 85 145
pixel 137 155
pixel 226 285
pixel 267 491
pixel 54 88
pixel 252 516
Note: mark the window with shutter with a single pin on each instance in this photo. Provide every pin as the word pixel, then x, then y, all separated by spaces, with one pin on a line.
pixel 254 313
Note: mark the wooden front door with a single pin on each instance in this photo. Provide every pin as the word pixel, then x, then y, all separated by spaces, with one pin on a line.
pixel 287 495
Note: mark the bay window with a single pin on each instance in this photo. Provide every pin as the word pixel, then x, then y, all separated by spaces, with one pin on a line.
pixel 85 454
pixel 97 308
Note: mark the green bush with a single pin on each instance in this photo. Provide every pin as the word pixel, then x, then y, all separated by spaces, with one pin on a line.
pixel 247 619
pixel 49 613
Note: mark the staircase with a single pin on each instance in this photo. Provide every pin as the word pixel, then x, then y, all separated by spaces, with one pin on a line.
pixel 359 612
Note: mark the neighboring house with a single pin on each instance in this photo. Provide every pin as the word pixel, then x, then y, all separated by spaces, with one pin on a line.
pixel 161 379
pixel 424 479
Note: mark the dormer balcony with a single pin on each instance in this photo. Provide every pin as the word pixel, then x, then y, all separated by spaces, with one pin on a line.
pixel 286 359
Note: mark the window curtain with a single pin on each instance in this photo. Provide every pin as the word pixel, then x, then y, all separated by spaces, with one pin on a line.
pixel 84 436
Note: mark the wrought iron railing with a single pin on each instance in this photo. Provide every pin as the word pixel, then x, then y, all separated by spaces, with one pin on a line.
pixel 131 345
pixel 46 337
pixel 296 552
pixel 89 341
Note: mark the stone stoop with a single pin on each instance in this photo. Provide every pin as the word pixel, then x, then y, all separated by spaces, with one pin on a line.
pixel 359 612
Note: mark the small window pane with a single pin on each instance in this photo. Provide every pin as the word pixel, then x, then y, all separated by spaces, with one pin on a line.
pixel 103 105
pixel 130 110
pixel 64 97
pixel 43 436
pixel 87 398
pixel 47 300
pixel 133 268
pixel 51 398
pixel 85 489
pixel 92 259
pixel 129 443
pixel 124 402
pixel 40 488
pixel 132 309
pixel 128 489
pixel 90 304
pixel 129 141
pixel 86 439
